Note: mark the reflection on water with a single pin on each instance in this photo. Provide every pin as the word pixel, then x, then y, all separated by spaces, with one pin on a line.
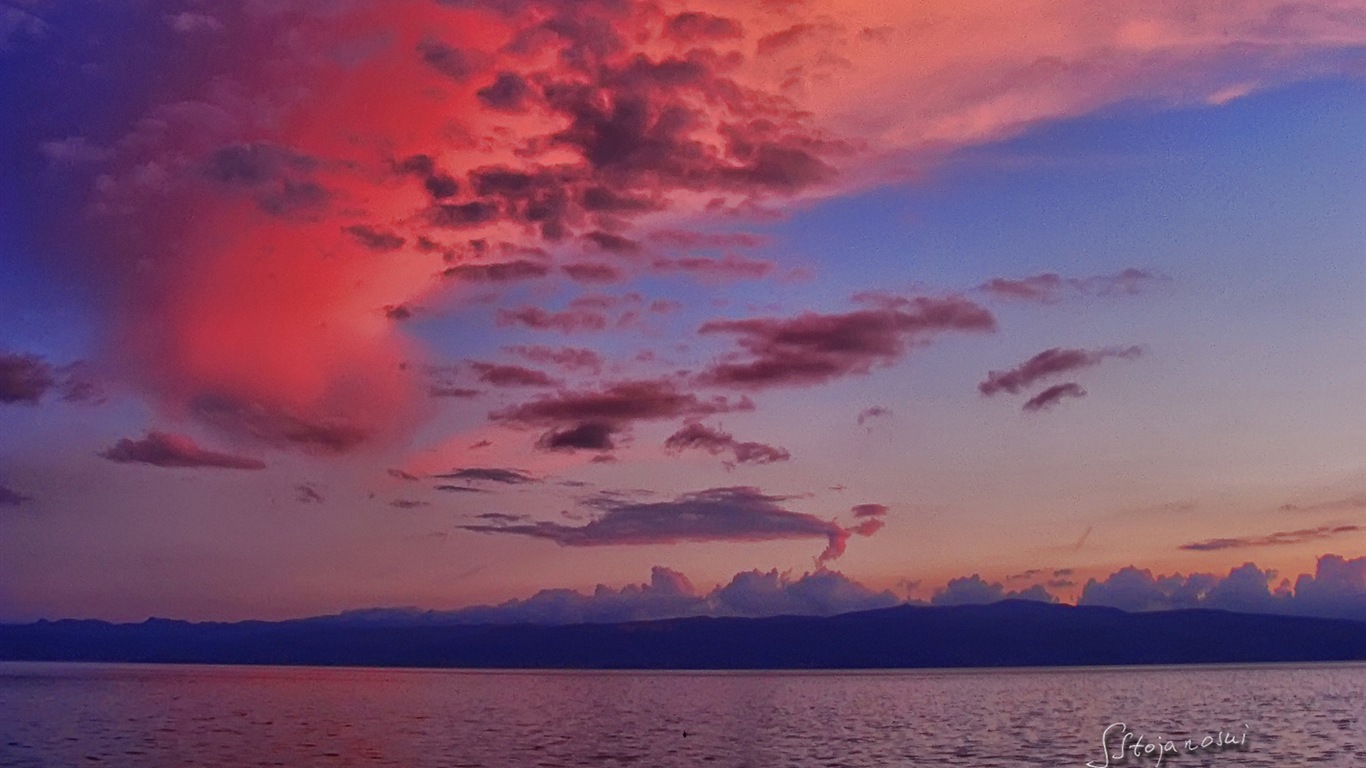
pixel 162 716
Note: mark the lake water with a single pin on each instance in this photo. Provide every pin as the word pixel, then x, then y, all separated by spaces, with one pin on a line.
pixel 162 716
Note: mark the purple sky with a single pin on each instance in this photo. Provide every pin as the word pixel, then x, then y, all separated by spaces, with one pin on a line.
pixel 318 307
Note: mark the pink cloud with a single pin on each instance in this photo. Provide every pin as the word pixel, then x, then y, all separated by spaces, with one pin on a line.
pixel 697 436
pixel 1053 395
pixel 813 348
pixel 1051 362
pixel 1051 288
pixel 162 449
pixel 718 514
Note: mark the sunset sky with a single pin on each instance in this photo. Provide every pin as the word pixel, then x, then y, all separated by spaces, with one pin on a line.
pixel 317 306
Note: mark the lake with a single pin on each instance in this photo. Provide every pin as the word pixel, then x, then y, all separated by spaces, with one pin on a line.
pixel 160 716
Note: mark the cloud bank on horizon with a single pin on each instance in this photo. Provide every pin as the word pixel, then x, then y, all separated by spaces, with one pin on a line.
pixel 1336 590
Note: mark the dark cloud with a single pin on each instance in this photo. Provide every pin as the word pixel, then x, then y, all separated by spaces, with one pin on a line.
pixel 500 272
pixel 590 419
pixel 307 493
pixel 500 517
pixel 420 165
pixel 729 267
pixel 442 186
pixel 566 321
pixel 26 379
pixel 162 449
pixel 785 38
pixel 813 348
pixel 587 272
pixel 1053 395
pixel 694 26
pixel 12 498
pixel 1273 539
pixel 1050 288
pixel 449 61
pixel 279 178
pixel 873 412
pixel 253 164
pixel 294 198
pixel 605 200
pixel 1051 362
pixel 509 92
pixel 408 503
pixel 612 243
pixel 460 489
pixel 568 358
pixel 375 239
pixel 717 514
pixel 439 184
pixel 459 215
pixel 687 239
pixel 455 392
pixel 587 435
pixel 398 312
pixel 281 427
pixel 502 475
pixel 869 510
pixel 697 436
pixel 512 375
pixel 399 474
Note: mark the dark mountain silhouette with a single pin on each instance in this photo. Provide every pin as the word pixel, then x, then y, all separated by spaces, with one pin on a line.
pixel 1006 634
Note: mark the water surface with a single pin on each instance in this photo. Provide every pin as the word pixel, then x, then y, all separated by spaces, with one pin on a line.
pixel 162 716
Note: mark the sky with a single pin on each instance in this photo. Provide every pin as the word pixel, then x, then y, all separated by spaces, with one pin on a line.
pixel 631 308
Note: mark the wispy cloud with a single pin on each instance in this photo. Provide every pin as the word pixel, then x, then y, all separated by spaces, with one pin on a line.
pixel 717 514
pixel 163 449
pixel 1051 362
pixel 1276 538
pixel 814 348
pixel 697 436
pixel 1053 395
pixel 1051 288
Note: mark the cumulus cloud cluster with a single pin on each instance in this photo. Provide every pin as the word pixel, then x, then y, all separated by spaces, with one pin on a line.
pixel 670 594
pixel 1337 589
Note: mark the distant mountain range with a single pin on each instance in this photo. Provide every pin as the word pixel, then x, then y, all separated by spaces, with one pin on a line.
pixel 1006 634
